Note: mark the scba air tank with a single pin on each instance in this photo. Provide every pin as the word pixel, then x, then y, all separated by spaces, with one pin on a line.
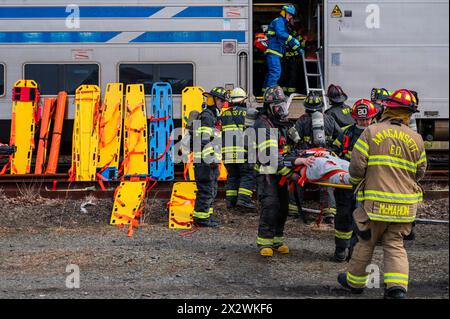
pixel 318 128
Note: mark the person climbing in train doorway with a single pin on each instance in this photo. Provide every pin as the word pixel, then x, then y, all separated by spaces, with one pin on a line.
pixel 279 37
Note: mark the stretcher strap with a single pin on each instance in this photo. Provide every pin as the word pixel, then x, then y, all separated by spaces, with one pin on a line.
pixel 6 166
pixel 127 158
pixel 160 157
pixel 157 119
pixel 103 124
pixel 72 172
pixel 188 166
pixel 180 223
pixel 100 177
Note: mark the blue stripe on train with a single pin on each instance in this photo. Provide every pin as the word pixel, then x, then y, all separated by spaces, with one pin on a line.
pixel 56 37
pixel 201 12
pixel 190 36
pixel 102 37
pixel 27 12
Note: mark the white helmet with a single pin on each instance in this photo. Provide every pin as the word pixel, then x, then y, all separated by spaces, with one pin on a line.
pixel 238 96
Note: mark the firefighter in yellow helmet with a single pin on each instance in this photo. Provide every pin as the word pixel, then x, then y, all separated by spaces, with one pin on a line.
pixel 387 162
pixel 241 174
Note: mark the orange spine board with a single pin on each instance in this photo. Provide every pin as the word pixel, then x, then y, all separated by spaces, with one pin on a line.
pixel 43 135
pixel 57 131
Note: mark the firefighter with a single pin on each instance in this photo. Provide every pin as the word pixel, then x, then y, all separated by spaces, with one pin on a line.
pixel 363 112
pixel 316 129
pixel 388 160
pixel 207 157
pixel 241 175
pixel 340 111
pixel 273 168
pixel 377 96
pixel 290 65
pixel 279 37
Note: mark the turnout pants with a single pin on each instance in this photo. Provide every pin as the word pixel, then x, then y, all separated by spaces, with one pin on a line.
pixel 206 179
pixel 240 182
pixel 274 201
pixel 343 222
pixel 273 70
pixel 396 267
pixel 327 201
pixel 289 75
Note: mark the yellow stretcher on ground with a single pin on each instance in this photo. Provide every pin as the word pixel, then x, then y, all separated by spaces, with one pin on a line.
pixel 129 198
pixel 23 124
pixel 129 201
pixel 181 205
pixel 85 133
pixel 110 131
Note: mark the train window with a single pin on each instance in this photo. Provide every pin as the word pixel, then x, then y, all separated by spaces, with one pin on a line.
pixel 53 78
pixel 179 75
pixel 2 79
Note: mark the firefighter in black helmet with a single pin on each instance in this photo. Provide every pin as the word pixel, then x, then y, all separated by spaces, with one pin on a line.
pixel 273 167
pixel 207 157
pixel 341 112
pixel 316 129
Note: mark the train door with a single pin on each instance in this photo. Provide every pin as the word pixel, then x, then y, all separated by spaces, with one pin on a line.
pixel 308 25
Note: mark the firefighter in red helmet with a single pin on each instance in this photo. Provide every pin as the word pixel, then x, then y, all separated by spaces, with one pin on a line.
pixel 387 162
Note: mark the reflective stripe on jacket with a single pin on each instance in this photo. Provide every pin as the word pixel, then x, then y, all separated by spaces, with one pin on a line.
pixel 279 36
pixel 233 125
pixel 391 159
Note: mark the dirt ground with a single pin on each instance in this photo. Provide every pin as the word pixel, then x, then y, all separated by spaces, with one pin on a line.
pixel 40 237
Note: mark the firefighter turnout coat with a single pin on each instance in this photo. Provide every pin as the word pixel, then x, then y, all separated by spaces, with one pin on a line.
pixel 388 160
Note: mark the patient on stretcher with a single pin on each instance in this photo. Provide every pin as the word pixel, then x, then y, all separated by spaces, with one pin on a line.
pixel 319 165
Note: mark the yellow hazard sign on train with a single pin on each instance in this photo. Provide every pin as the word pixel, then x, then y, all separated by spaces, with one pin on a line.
pixel 337 12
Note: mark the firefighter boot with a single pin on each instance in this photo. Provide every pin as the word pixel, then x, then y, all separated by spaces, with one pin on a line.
pixel 245 204
pixel 231 203
pixel 342 280
pixel 395 292
pixel 282 249
pixel 266 251
pixel 206 222
pixel 340 254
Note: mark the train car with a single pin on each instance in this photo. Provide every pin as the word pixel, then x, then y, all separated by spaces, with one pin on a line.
pixel 363 44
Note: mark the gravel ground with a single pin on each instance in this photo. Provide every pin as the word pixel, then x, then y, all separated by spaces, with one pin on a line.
pixel 40 237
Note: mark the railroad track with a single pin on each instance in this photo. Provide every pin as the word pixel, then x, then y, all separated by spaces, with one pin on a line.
pixel 435 184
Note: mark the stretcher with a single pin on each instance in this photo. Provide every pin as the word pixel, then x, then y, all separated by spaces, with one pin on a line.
pixel 326 171
pixel 110 132
pixel 135 137
pixel 49 107
pixel 189 174
pixel 191 100
pixel 129 201
pixel 129 197
pixel 85 133
pixel 25 112
pixel 161 129
pixel 181 205
pixel 53 156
